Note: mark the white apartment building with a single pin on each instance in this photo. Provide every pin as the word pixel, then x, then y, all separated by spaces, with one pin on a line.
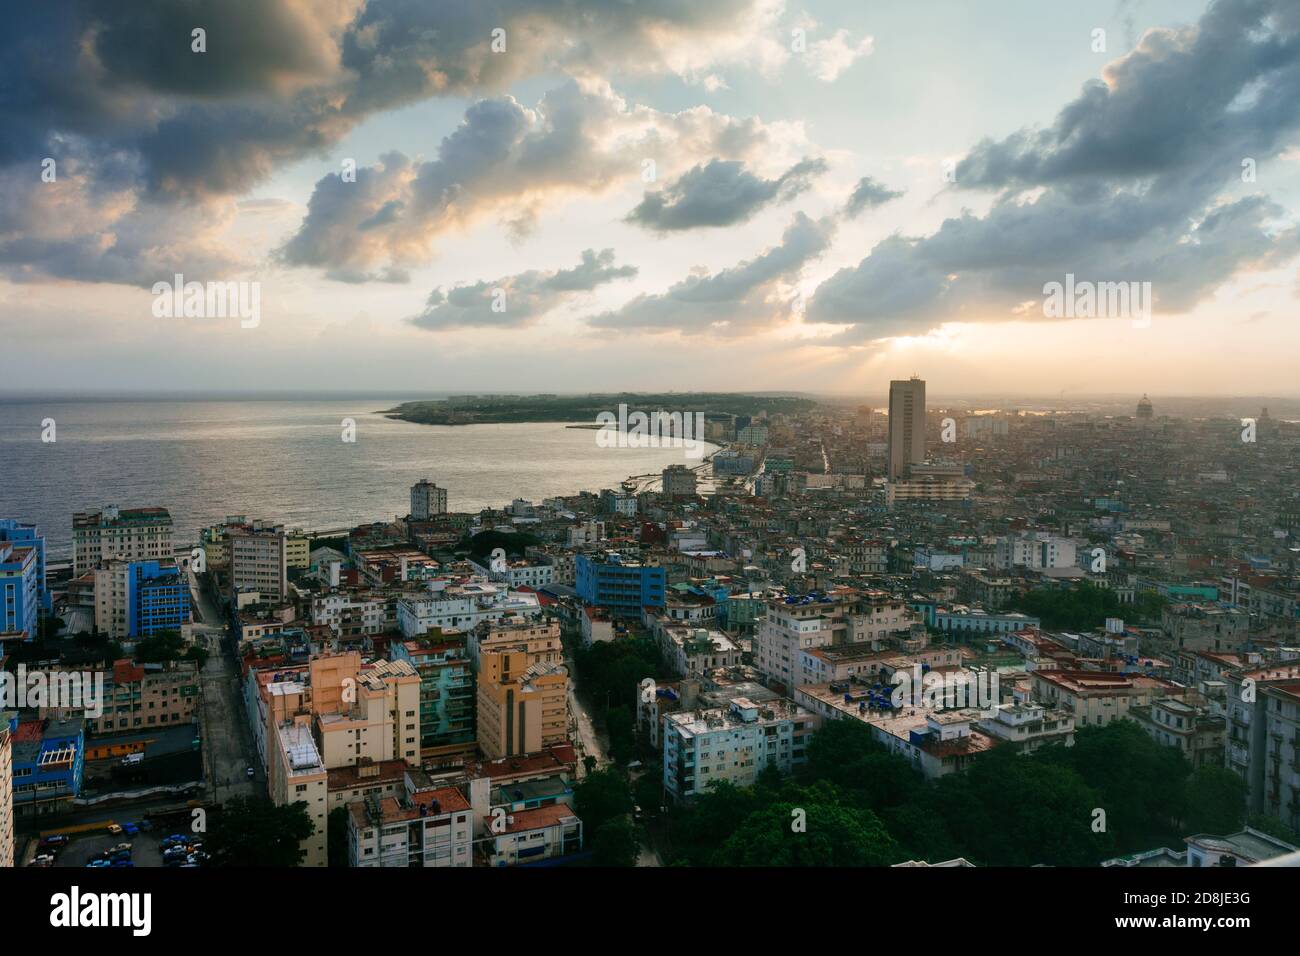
pixel 349 613
pixel 259 560
pixel 733 744
pixel 794 624
pixel 461 606
pixel 132 534
pixel 692 651
pixel 1036 550
pixel 427 500
pixel 518 574
pixel 423 828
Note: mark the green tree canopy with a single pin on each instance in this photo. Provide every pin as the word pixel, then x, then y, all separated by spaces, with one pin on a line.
pixel 256 832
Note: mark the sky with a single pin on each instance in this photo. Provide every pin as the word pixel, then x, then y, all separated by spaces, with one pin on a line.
pixel 592 195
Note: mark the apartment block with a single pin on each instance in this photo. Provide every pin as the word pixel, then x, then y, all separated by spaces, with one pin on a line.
pixel 421 827
pixel 522 689
pixel 6 795
pixel 130 534
pixel 300 777
pixel 259 561
pixel 734 744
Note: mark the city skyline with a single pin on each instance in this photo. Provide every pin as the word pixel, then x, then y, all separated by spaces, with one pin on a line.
pixel 791 232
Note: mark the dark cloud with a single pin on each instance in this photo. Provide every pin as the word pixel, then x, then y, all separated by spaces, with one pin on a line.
pixel 749 295
pixel 1126 185
pixel 281 80
pixel 868 194
pixel 721 193
pixel 520 299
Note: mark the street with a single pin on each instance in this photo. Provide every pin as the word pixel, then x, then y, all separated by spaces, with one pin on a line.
pixel 227 742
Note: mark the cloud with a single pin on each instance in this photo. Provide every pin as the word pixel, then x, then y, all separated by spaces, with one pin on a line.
pixel 156 123
pixel 827 59
pixel 721 193
pixel 518 300
pixel 1127 184
pixel 750 295
pixel 507 159
pixel 868 194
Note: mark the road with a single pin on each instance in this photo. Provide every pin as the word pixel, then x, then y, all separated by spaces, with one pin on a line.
pixel 227 743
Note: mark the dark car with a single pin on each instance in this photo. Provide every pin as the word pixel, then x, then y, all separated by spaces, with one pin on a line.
pixel 56 840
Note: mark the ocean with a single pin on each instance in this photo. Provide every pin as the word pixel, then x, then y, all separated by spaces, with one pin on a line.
pixel 282 460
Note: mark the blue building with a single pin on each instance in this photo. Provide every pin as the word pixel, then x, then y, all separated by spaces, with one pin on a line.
pixel 619 584
pixel 157 599
pixel 28 536
pixel 48 758
pixel 20 589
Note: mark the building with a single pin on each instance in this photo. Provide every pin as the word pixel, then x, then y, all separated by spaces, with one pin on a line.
pixel 1144 410
pixel 138 697
pixel 796 623
pixel 933 482
pixel 1263 737
pixel 735 744
pixel 1175 723
pixel 376 718
pixel 27 535
pixel 906 426
pixel 691 651
pixel 137 599
pixel 447 688
pixel 679 481
pixel 443 607
pixel 20 588
pixel 423 826
pixel 427 500
pixel 522 688
pixel 531 836
pixel 129 534
pixel 1096 698
pixel 615 582
pixel 1027 726
pixel 6 795
pixel 47 757
pixel 1205 627
pixel 1247 847
pixel 299 777
pixel 259 561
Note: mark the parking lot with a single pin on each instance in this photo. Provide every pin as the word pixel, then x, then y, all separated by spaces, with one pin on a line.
pixel 146 847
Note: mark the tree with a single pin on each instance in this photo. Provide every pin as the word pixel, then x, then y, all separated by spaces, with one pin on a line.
pixel 810 834
pixel 337 841
pixel 160 646
pixel 1215 800
pixel 601 797
pixel 615 843
pixel 844 753
pixel 255 832
pixel 1139 782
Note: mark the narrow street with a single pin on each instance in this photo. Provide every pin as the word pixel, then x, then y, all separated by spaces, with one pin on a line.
pixel 227 743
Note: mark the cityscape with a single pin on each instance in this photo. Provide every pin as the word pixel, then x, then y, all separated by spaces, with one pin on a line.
pixel 604 436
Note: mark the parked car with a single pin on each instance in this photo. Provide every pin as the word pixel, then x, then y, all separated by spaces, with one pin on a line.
pixel 114 828
pixel 118 864
pixel 98 863
pixel 57 839
pixel 250 773
pixel 131 829
pixel 122 846
pixel 146 825
pixel 43 859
